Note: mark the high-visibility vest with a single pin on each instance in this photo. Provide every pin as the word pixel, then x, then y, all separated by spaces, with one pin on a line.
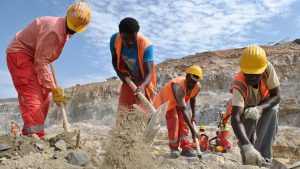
pixel 166 93
pixel 142 44
pixel 240 84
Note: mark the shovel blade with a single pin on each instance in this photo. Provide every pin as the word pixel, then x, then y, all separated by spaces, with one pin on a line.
pixel 278 165
pixel 154 124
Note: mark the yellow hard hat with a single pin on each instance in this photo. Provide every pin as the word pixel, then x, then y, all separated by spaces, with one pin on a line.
pixel 253 60
pixel 219 148
pixel 194 70
pixel 202 127
pixel 78 16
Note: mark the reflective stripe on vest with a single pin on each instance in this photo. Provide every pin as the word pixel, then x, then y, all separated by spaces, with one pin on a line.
pixel 142 44
pixel 166 93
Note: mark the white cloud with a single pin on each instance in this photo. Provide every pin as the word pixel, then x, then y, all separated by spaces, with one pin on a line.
pixel 89 78
pixel 180 28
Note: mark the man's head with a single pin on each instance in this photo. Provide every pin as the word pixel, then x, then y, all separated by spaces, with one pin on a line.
pixel 193 75
pixel 253 63
pixel 128 28
pixel 78 17
pixel 202 128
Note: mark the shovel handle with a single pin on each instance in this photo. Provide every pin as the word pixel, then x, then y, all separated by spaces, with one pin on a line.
pixel 140 95
pixel 199 153
pixel 62 106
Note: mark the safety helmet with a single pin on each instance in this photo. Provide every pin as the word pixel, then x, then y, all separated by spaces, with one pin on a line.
pixel 195 70
pixel 202 127
pixel 78 16
pixel 253 60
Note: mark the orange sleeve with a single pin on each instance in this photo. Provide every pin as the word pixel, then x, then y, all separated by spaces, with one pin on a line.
pixel 46 46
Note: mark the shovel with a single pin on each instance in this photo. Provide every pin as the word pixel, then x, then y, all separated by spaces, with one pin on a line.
pixel 66 125
pixel 199 152
pixel 157 114
pixel 279 165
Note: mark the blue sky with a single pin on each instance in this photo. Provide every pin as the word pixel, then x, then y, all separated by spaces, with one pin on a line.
pixel 177 28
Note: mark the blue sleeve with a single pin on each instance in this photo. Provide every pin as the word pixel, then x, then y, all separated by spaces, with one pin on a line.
pixel 148 55
pixel 112 42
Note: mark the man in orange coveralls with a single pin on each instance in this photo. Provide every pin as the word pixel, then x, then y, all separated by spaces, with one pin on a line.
pixel 28 56
pixel 179 91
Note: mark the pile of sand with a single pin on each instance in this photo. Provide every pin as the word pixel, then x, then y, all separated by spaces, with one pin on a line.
pixel 126 148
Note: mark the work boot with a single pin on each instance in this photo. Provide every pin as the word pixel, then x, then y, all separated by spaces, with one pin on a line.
pixel 188 153
pixel 175 153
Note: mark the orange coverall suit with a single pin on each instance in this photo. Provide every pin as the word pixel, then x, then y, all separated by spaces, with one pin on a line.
pixel 177 128
pixel 28 56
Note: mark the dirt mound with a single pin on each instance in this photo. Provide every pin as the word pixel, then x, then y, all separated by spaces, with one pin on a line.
pixel 19 146
pixel 126 148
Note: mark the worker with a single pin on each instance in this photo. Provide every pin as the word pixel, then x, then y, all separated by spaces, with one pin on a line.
pixel 14 128
pixel 202 129
pixel 254 106
pixel 132 56
pixel 179 91
pixel 28 56
pixel 216 138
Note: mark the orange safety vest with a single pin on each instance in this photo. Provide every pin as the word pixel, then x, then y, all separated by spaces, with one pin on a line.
pixel 240 84
pixel 142 44
pixel 166 93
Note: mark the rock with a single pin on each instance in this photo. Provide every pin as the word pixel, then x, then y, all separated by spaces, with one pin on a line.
pixel 39 146
pixel 16 157
pixel 297 41
pixel 61 145
pixel 95 160
pixel 2 159
pixel 35 136
pixel 54 156
pixel 192 159
pixel 79 158
pixel 4 147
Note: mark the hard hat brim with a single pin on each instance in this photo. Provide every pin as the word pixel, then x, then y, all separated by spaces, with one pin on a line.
pixel 254 71
pixel 76 29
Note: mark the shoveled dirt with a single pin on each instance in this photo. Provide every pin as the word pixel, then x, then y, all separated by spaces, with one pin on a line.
pixel 126 149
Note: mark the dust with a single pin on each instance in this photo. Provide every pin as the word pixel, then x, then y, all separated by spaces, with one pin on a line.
pixel 126 148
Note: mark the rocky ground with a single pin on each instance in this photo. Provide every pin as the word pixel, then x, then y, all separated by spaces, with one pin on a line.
pixel 124 149
pixel 92 108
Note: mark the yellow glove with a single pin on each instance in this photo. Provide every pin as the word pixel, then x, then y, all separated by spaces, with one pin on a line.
pixel 58 96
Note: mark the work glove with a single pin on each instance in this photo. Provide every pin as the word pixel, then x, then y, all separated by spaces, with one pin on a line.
pixel 58 96
pixel 252 156
pixel 253 113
